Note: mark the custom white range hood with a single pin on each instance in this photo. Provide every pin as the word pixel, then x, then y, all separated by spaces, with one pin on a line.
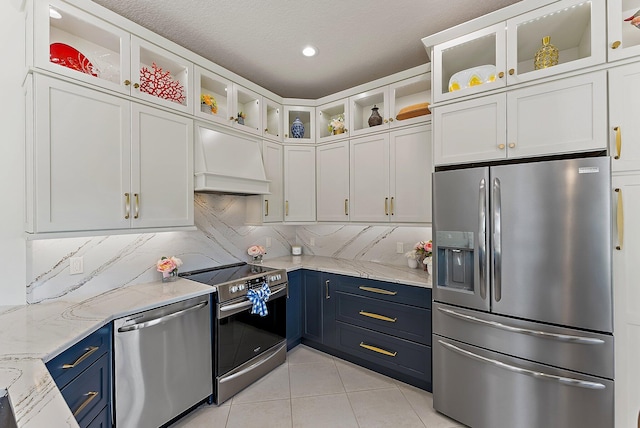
pixel 228 163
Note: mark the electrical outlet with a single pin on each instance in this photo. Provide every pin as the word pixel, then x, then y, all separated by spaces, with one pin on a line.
pixel 76 265
pixel 399 247
pixel 268 244
pixel 312 242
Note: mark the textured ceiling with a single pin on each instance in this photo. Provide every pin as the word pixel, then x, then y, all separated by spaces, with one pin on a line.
pixel 261 40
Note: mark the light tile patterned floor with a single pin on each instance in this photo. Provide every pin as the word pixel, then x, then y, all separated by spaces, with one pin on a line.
pixel 313 389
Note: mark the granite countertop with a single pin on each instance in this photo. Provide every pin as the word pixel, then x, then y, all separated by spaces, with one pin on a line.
pixel 31 335
pixel 361 269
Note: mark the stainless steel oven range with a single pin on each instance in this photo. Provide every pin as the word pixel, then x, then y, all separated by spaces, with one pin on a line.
pixel 246 346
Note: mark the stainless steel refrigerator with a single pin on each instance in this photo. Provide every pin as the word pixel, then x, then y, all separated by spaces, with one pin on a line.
pixel 522 313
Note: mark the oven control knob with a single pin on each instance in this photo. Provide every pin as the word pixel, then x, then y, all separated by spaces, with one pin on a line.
pixel 273 278
pixel 278 277
pixel 241 287
pixel 233 288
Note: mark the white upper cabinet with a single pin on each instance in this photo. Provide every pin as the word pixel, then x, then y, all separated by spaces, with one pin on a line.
pixel 214 94
pixel 160 76
pixel 247 110
pixel 272 119
pixel 560 116
pixel 504 54
pixel 332 171
pixel 76 44
pixel 299 183
pixel 294 116
pixel 369 112
pixel 332 121
pixel 624 36
pixel 409 101
pixel 624 126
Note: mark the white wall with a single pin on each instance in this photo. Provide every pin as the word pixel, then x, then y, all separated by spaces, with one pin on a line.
pixel 12 245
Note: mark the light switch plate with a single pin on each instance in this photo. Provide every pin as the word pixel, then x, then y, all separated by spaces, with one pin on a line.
pixel 399 247
pixel 268 243
pixel 76 265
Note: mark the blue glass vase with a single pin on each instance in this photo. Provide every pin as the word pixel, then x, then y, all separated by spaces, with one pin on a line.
pixel 297 128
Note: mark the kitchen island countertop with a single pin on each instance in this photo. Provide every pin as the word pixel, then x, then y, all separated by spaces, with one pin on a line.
pixel 30 335
pixel 361 269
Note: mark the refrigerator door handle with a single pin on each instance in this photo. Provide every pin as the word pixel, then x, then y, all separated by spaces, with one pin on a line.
pixel 482 239
pixel 538 375
pixel 497 243
pixel 542 334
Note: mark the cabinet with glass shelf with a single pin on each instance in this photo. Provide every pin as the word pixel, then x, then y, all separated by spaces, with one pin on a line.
pixel 76 44
pixel 272 119
pixel 214 93
pixel 307 116
pixel 333 120
pixel 410 98
pixel 503 54
pixel 623 35
pixel 361 108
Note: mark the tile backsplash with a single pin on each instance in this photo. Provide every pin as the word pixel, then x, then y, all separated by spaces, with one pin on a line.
pixel 221 238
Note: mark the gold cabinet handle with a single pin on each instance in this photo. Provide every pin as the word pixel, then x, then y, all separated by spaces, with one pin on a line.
pixel 501 146
pixel 378 290
pixel 127 82
pixel 378 350
pixel 136 85
pixel 266 207
pixel 231 117
pixel 390 119
pixel 286 135
pixel 286 208
pixel 127 205
pixel 620 219
pixel 511 71
pixel 501 74
pixel 386 206
pixel 346 207
pixel 326 289
pixel 91 396
pixel 618 142
pixel 90 350
pixel 616 44
pixel 377 316
pixel 386 121
pixel 137 214
pixel 512 145
pixel 266 130
pixel 392 210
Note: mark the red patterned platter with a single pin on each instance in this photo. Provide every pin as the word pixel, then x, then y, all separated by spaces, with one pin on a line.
pixel 68 56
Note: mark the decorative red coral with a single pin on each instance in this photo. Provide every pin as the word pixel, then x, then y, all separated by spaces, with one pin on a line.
pixel 160 84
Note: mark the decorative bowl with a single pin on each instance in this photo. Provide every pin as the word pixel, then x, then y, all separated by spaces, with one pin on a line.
pixel 472 77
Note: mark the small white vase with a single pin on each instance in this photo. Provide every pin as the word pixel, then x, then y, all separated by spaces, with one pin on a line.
pixel 413 263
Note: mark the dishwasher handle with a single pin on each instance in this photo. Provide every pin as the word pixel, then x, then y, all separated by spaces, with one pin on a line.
pixel 164 318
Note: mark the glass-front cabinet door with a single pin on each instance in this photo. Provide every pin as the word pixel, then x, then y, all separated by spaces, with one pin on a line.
pixel 247 112
pixel 557 38
pixel 365 107
pixel 470 64
pixel 214 95
pixel 78 45
pixel 299 124
pixel 160 76
pixel 624 30
pixel 409 101
pixel 333 120
pixel 272 119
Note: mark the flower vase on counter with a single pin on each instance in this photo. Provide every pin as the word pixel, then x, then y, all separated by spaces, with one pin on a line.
pixel 413 263
pixel 168 266
pixel 256 252
pixel 428 264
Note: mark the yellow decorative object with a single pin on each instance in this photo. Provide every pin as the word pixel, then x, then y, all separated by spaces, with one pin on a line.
pixel 475 80
pixel 454 86
pixel 547 55
pixel 414 110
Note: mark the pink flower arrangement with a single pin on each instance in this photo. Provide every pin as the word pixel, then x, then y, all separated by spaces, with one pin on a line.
pixel 421 250
pixel 256 250
pixel 168 266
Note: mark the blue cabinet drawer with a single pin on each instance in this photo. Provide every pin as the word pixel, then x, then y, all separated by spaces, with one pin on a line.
pixel 88 394
pixel 103 420
pixel 397 354
pixel 408 322
pixel 388 291
pixel 76 359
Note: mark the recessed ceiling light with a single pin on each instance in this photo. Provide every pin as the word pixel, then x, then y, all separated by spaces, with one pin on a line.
pixel 54 13
pixel 309 51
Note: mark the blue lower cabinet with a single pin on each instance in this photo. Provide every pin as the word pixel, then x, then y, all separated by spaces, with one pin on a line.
pixel 318 308
pixel 83 375
pixel 294 309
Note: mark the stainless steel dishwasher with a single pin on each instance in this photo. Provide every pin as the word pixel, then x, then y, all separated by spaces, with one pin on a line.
pixel 162 360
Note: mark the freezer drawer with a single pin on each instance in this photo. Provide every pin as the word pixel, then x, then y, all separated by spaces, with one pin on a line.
pixel 486 389
pixel 572 349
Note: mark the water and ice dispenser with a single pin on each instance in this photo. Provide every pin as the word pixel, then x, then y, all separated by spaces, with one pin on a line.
pixel 455 260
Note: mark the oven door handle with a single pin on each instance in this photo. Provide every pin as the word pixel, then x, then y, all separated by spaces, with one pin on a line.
pixel 232 309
